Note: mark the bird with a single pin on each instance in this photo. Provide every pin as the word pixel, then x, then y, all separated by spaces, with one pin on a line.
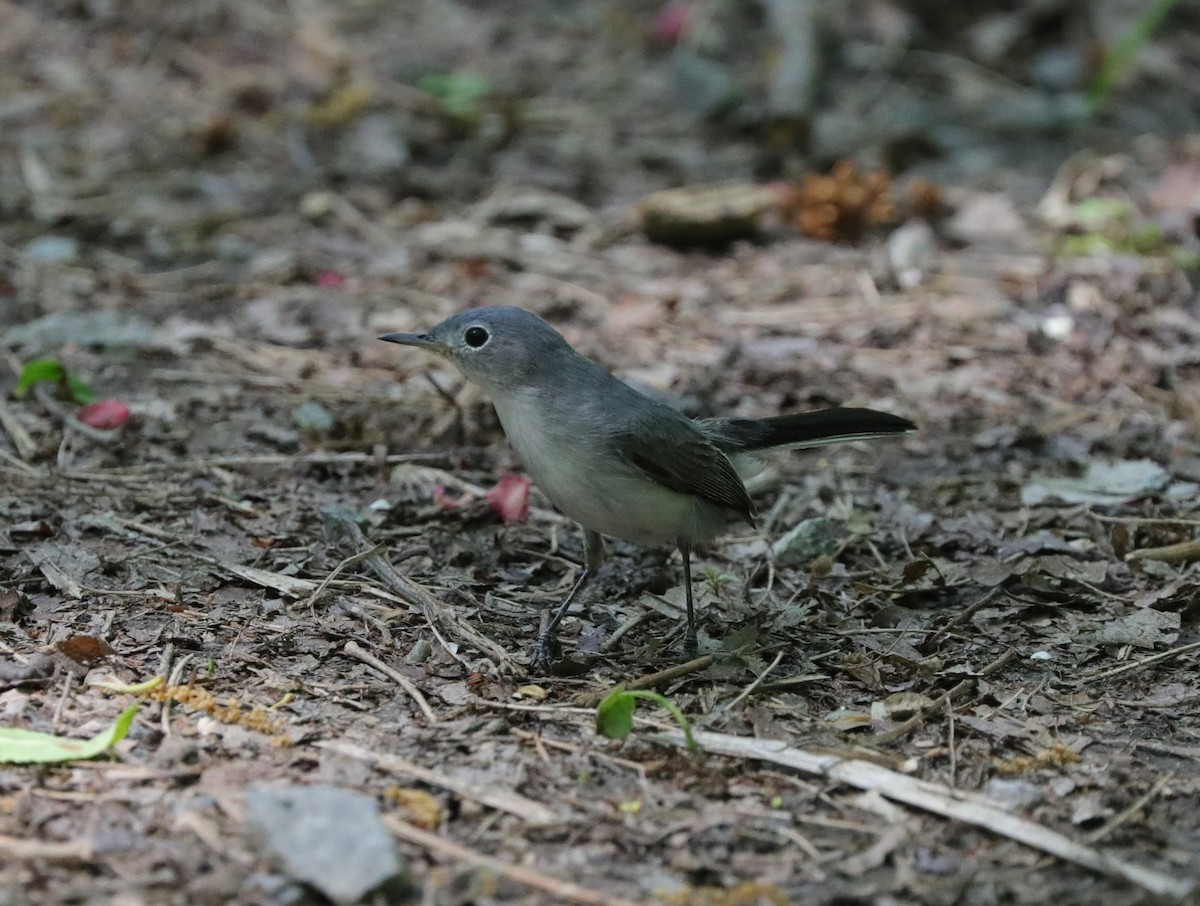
pixel 619 463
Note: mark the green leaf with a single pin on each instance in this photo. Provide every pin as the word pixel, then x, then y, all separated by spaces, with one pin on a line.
pixel 28 747
pixel 80 392
pixel 614 715
pixel 1121 57
pixel 36 372
pixel 459 92
pixel 42 370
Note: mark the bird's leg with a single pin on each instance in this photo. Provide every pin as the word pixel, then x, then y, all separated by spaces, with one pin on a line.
pixel 690 644
pixel 543 650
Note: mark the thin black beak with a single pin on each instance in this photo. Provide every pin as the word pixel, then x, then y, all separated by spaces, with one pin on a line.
pixel 420 340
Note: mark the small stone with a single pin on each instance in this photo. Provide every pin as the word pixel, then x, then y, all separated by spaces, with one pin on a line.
pixel 375 148
pixel 316 205
pixel 313 418
pixel 703 86
pixel 705 214
pixel 987 218
pixel 328 838
pixel 52 249
pixel 419 654
pixel 910 250
pixel 810 539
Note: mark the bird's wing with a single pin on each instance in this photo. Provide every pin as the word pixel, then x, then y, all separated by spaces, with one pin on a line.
pixel 679 457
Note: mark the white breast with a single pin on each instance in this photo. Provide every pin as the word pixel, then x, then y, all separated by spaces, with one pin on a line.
pixel 596 489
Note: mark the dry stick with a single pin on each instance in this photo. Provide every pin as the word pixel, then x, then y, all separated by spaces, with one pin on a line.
pixel 164 670
pixel 563 891
pixel 79 850
pixel 960 618
pixel 976 810
pixel 62 699
pixel 437 613
pixel 1144 520
pixel 18 465
pixel 1125 814
pixel 1184 552
pixel 951 745
pixel 943 700
pixel 312 599
pixel 758 681
pixel 661 678
pixel 628 626
pixel 353 649
pixel 23 442
pixel 502 800
pixel 264 459
pixel 1136 665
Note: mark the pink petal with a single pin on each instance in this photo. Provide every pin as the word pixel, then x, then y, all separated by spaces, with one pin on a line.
pixel 670 23
pixel 510 498
pixel 104 415
pixel 331 279
pixel 443 499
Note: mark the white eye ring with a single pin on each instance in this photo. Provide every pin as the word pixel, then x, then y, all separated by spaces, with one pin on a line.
pixel 476 336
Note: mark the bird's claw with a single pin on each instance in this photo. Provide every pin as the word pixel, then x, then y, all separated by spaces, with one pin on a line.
pixel 542 656
pixel 691 646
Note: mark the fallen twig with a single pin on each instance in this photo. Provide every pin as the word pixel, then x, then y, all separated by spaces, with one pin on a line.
pixel 758 681
pixel 563 891
pixel 22 441
pixel 661 678
pixel 927 644
pixel 1127 813
pixel 311 600
pixel 355 651
pixel 939 703
pixel 263 459
pixel 1137 665
pixel 969 808
pixel 80 850
pixel 502 800
pixel 1183 552
pixel 437 613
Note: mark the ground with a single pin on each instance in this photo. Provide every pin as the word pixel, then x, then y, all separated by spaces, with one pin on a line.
pixel 210 219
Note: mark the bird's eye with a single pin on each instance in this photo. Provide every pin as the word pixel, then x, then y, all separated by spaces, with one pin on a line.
pixel 476 337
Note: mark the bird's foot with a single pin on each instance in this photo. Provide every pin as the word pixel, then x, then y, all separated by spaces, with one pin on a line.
pixel 542 655
pixel 691 647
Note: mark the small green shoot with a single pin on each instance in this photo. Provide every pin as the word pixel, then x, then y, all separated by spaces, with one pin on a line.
pixel 28 747
pixel 460 93
pixel 717 580
pixel 614 715
pixel 51 370
pixel 116 686
pixel 1119 59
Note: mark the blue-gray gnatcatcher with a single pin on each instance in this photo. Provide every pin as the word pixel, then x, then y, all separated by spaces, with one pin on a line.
pixel 615 461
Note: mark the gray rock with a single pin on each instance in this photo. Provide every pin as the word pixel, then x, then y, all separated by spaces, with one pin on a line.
pixel 796 29
pixel 52 249
pixel 375 148
pixel 88 328
pixel 807 541
pixel 329 838
pixel 703 87
pixel 911 250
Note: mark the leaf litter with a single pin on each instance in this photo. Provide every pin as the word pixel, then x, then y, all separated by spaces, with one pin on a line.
pixel 959 622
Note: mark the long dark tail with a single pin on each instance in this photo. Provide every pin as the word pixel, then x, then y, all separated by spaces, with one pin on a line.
pixel 805 429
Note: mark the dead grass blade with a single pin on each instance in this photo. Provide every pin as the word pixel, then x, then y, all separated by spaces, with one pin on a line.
pixel 561 891
pixel 529 810
pixel 937 799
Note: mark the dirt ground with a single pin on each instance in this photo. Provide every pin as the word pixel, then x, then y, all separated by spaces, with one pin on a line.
pixel 982 636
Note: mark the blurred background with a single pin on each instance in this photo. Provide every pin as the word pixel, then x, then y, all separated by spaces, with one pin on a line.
pixel 982 216
pixel 137 137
